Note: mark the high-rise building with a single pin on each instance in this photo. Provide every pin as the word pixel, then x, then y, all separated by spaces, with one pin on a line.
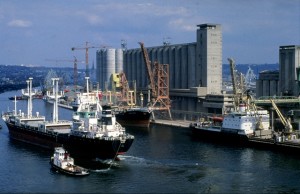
pixel 289 70
pixel 195 70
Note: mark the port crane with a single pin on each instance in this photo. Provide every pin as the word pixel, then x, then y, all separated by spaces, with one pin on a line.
pixel 158 75
pixel 237 84
pixel 127 97
pixel 286 122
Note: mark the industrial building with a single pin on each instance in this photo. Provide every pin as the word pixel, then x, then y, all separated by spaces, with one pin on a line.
pixel 195 71
pixel 109 61
pixel 284 82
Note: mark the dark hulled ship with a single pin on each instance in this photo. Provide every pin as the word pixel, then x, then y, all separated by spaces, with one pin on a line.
pixel 134 117
pixel 93 133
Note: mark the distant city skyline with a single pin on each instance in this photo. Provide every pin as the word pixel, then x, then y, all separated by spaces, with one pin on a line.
pixel 33 31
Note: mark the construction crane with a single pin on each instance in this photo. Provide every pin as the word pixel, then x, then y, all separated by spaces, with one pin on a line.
pixel 86 48
pixel 286 122
pixel 159 83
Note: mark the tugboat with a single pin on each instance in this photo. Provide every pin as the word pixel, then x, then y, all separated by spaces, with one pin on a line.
pixel 62 162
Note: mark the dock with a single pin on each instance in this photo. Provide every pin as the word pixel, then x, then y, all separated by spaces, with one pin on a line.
pixel 172 123
pixel 292 146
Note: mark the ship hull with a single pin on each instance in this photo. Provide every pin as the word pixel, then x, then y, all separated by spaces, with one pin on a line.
pixel 216 134
pixel 34 137
pixel 87 148
pixel 134 118
pixel 77 146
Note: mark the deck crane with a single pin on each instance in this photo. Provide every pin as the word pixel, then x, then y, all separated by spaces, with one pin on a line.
pixel 286 122
pixel 159 84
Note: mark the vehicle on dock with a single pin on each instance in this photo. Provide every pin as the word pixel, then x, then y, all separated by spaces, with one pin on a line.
pixel 62 162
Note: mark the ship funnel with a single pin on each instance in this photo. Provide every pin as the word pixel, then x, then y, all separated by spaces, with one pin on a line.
pixel 242 107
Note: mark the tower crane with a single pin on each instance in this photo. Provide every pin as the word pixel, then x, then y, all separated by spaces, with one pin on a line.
pixel 86 48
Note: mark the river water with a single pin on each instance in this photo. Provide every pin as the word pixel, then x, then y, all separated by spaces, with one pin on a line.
pixel 161 160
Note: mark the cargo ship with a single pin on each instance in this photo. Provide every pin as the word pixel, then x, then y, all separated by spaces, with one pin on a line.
pixel 241 124
pixel 134 117
pixel 96 133
pixel 34 129
pixel 92 133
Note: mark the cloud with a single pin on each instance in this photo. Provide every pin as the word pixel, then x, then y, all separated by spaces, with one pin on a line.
pixel 183 25
pixel 20 23
pixel 91 18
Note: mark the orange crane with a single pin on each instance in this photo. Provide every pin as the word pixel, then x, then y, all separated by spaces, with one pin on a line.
pixel 159 83
pixel 149 70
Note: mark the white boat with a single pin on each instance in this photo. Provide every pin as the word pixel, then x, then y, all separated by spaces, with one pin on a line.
pixel 243 123
pixel 96 133
pixel 62 162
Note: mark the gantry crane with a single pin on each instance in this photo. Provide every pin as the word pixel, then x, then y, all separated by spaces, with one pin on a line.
pixel 159 83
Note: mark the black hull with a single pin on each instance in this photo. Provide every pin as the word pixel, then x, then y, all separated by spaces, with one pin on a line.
pixel 219 136
pixel 85 148
pixel 134 118
pixel 77 146
pixel 34 137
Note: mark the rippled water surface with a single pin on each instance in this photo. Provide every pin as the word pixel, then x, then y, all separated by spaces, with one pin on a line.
pixel 161 160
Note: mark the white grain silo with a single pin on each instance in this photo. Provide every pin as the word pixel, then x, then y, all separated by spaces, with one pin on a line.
pixel 110 65
pixel 119 60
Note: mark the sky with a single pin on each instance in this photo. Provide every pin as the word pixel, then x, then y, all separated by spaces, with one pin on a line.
pixel 42 32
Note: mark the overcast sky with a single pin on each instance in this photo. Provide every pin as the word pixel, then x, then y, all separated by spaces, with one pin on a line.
pixel 35 30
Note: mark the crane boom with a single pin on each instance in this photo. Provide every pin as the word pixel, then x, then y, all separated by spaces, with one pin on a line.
pixel 149 69
pixel 285 122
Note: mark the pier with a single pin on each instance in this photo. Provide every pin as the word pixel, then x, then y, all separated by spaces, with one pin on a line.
pixel 292 146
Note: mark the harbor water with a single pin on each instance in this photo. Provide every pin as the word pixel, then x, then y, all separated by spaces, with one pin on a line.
pixel 161 160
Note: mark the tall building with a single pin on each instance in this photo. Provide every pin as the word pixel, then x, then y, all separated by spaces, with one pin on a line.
pixel 209 57
pixel 289 68
pixel 286 81
pixel 195 70
pixel 196 64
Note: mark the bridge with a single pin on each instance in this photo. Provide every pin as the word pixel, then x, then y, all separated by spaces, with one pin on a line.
pixel 283 100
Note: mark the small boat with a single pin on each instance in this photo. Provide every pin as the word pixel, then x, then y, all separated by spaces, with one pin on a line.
pixel 62 162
